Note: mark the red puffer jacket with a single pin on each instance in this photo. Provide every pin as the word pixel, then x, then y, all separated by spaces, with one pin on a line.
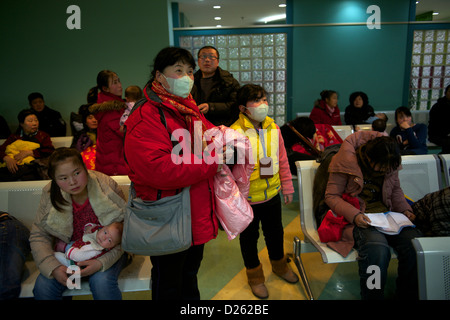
pixel 110 157
pixel 148 148
pixel 319 114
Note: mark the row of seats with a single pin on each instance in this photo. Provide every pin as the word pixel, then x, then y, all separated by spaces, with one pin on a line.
pixel 421 174
pixel 419 116
pixel 345 130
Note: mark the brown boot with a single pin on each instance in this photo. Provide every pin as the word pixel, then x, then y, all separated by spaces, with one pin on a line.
pixel 256 281
pixel 282 269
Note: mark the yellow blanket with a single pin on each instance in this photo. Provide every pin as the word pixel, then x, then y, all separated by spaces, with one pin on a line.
pixel 18 146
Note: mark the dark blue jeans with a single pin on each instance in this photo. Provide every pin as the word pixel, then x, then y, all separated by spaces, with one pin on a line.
pixel 103 285
pixel 14 249
pixel 374 250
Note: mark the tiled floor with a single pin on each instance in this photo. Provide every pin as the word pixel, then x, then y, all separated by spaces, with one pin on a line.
pixel 328 281
pixel 222 274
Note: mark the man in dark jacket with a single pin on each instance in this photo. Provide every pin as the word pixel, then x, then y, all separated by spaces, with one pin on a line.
pixel 215 89
pixel 50 121
pixel 438 128
pixel 4 128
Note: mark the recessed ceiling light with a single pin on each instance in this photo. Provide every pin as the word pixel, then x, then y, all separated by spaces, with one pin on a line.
pixel 435 13
pixel 219 26
pixel 282 5
pixel 216 7
pixel 273 18
pixel 217 18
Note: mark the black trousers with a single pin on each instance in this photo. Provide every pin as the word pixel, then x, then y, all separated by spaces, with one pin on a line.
pixel 269 215
pixel 174 276
pixel 443 142
pixel 24 173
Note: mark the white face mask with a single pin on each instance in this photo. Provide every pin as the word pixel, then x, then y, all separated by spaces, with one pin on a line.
pixel 259 113
pixel 180 87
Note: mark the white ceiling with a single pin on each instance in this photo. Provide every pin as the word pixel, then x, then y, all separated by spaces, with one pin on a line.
pixel 239 13
pixel 234 13
pixel 441 6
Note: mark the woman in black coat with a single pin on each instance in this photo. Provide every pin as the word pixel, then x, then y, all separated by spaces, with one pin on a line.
pixel 358 111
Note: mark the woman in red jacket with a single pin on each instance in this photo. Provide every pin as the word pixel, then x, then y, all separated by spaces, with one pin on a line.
pixel 155 174
pixel 326 110
pixel 108 110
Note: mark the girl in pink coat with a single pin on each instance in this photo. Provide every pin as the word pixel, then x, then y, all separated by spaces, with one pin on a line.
pixel 108 110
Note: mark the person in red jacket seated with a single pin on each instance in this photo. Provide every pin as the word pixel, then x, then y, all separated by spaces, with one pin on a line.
pixel 108 110
pixel 156 174
pixel 326 110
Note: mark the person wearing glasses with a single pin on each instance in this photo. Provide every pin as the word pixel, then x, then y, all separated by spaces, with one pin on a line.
pixel 214 89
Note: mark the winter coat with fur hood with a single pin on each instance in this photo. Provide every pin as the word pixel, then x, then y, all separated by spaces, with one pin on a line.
pixel 110 155
pixel 106 199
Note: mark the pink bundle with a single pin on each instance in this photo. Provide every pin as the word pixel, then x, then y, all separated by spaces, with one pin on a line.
pixel 231 187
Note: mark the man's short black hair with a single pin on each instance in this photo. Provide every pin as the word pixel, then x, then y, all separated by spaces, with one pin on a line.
pixel 208 47
pixel 34 95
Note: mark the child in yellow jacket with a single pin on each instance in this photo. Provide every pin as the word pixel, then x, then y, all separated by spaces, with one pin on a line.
pixel 270 176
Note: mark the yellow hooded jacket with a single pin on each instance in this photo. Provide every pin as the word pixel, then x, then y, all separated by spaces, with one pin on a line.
pixel 264 144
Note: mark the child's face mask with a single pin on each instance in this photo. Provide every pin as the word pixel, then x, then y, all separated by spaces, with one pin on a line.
pixel 258 113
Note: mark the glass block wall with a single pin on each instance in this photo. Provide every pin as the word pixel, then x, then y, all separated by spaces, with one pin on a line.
pixel 251 58
pixel 430 68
